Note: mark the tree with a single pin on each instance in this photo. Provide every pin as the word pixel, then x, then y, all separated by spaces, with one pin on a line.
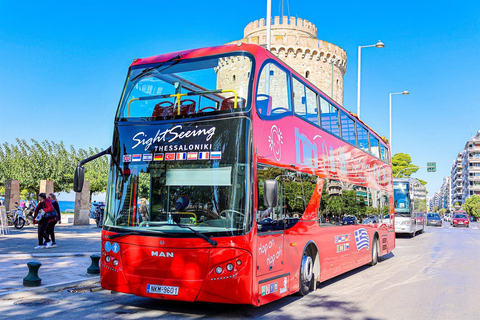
pixel 472 206
pixel 31 162
pixel 435 209
pixel 96 171
pixel 401 161
pixel 442 211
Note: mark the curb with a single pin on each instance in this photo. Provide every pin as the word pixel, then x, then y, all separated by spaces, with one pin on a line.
pixel 47 255
pixel 34 291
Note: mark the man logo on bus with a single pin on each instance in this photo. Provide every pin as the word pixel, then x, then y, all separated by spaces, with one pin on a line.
pixel 275 142
pixel 162 254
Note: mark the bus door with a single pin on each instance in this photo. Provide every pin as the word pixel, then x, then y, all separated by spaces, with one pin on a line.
pixel 270 230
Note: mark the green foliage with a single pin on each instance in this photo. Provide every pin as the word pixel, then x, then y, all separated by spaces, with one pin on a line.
pixel 400 161
pixel 31 162
pixel 435 209
pixel 472 206
pixel 442 211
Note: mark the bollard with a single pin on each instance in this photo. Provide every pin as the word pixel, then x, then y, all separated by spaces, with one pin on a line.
pixel 32 279
pixel 94 267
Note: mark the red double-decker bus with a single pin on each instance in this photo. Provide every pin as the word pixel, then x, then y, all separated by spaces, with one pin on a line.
pixel 235 180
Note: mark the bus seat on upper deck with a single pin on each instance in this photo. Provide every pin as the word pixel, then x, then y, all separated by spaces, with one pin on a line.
pixel 229 103
pixel 163 109
pixel 264 104
pixel 187 106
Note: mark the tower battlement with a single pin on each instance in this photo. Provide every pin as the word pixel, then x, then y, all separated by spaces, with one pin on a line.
pixel 286 24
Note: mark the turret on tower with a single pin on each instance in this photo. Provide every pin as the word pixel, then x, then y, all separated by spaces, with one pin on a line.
pixel 294 41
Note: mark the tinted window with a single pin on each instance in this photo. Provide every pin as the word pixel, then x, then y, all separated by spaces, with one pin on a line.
pixel 295 190
pixel 305 101
pixel 272 92
pixel 374 146
pixel 348 128
pixel 362 138
pixel 383 152
pixel 329 116
pixel 344 203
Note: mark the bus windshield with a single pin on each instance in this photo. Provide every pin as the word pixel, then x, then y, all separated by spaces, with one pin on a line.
pixel 401 198
pixel 192 174
pixel 182 88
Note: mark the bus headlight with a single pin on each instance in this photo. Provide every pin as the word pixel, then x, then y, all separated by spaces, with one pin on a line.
pixel 107 258
pixel 115 263
pixel 218 270
pixel 229 267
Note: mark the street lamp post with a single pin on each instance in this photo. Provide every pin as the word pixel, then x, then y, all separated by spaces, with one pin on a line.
pixel 390 104
pixel 379 44
pixel 269 23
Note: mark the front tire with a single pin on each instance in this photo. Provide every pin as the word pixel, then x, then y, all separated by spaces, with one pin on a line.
pixel 19 223
pixel 306 274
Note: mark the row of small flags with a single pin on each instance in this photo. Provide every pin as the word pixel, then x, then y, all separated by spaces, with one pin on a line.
pixel 213 155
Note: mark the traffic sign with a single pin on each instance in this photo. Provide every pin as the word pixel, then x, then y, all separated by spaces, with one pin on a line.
pixel 431 166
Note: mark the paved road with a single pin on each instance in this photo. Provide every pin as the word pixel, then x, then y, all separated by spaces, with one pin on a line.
pixel 431 276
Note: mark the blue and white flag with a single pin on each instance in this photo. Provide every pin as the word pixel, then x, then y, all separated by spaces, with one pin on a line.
pixel 361 239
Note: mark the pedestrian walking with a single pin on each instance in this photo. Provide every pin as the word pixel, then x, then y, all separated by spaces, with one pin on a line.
pixel 53 222
pixel 43 213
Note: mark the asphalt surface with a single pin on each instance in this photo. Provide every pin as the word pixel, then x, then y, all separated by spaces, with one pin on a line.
pixel 431 276
pixel 62 266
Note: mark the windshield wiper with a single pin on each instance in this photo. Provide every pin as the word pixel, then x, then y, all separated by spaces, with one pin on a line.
pixel 199 234
pixel 147 70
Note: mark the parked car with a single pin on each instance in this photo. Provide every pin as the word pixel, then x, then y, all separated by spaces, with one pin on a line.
pixel 433 219
pixel 370 219
pixel 349 219
pixel 460 219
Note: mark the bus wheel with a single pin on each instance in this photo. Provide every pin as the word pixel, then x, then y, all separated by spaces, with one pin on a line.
pixel 374 252
pixel 306 274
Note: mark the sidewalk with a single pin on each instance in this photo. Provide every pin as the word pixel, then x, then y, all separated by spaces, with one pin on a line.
pixel 62 266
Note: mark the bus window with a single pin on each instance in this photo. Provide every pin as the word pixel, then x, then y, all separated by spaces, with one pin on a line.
pixel 329 116
pixel 362 138
pixel 305 101
pixel 272 92
pixel 345 203
pixel 348 128
pixel 374 146
pixel 384 153
pixel 187 87
pixel 295 191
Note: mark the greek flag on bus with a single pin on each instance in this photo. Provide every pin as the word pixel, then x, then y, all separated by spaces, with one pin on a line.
pixel 361 239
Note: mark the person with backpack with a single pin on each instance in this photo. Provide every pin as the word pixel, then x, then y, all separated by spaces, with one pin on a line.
pixel 44 212
pixel 53 221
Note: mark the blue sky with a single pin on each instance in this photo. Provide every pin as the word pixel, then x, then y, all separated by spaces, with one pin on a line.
pixel 63 64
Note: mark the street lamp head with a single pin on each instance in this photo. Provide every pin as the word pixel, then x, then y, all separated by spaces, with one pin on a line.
pixel 405 92
pixel 380 44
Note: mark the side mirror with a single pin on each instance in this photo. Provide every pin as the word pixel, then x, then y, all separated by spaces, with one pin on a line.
pixel 270 193
pixel 78 179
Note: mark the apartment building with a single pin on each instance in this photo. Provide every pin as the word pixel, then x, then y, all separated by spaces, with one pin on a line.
pixel 445 198
pixel 465 172
pixel 456 190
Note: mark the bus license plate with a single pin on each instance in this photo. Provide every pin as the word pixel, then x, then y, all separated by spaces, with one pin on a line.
pixel 172 291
